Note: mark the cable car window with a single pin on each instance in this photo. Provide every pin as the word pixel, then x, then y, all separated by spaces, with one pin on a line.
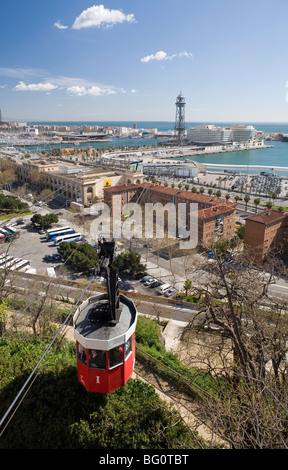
pixel 128 347
pixel 115 356
pixel 97 359
pixel 81 354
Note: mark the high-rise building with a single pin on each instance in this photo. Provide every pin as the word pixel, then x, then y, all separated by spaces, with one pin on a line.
pixel 210 134
pixel 242 133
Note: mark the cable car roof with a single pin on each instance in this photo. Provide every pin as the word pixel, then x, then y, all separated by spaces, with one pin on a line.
pixel 94 332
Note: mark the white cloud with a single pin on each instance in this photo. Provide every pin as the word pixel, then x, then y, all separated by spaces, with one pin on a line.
pixel 73 86
pixel 3 86
pixel 58 25
pixel 98 16
pixel 35 87
pixel 94 90
pixel 161 55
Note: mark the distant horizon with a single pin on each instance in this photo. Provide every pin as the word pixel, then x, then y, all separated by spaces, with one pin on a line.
pixel 140 120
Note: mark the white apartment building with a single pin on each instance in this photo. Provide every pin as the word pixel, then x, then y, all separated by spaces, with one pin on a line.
pixel 205 134
pixel 243 133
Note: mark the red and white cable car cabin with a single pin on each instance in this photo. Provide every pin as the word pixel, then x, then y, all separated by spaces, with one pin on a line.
pixel 104 329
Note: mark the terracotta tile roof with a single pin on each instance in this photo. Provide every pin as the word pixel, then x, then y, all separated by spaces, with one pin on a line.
pixel 267 217
pixel 121 187
pixel 211 212
pixel 222 205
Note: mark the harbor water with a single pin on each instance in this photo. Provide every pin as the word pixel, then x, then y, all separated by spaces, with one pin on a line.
pixel 271 157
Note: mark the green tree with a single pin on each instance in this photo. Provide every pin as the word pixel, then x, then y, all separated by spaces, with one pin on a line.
pixel 3 316
pixel 82 257
pixel 187 286
pixel 241 232
pixel 131 261
pixel 246 199
pixel 256 202
pixel 44 221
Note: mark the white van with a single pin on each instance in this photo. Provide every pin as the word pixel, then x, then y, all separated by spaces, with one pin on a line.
pixel 162 289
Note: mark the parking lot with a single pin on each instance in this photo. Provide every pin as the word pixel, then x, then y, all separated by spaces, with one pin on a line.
pixel 32 246
pixel 145 284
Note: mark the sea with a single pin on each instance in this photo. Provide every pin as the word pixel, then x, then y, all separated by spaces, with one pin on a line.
pixel 275 156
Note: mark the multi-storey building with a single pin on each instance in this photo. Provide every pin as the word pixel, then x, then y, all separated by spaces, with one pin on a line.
pixel 208 134
pixel 216 217
pixel 72 181
pixel 266 232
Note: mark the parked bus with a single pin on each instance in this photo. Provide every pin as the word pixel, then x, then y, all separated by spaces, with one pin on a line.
pixel 23 263
pixel 5 259
pixel 8 235
pixel 11 263
pixel 55 229
pixel 73 237
pixel 11 229
pixel 59 233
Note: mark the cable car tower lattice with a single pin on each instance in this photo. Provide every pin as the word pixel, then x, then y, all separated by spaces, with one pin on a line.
pixel 180 118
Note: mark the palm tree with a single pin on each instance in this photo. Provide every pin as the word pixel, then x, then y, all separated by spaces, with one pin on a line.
pixel 274 196
pixel 237 198
pixel 202 190
pixel 218 193
pixel 227 196
pixel 187 286
pixel 256 202
pixel 246 199
pixel 269 205
pixel 210 191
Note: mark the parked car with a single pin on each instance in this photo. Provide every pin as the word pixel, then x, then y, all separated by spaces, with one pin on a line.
pixel 124 285
pixel 170 292
pixel 149 282
pixel 155 284
pixel 145 278
pixel 48 258
pixel 164 288
pixel 141 275
pixel 56 256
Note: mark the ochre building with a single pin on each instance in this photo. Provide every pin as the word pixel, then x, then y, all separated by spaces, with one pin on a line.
pixel 266 232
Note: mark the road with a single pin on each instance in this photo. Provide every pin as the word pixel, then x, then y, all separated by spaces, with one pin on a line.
pixel 152 305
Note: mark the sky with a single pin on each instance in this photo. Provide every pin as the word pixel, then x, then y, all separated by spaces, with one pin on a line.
pixel 78 60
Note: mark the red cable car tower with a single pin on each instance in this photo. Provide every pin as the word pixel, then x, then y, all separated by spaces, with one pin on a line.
pixel 104 329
